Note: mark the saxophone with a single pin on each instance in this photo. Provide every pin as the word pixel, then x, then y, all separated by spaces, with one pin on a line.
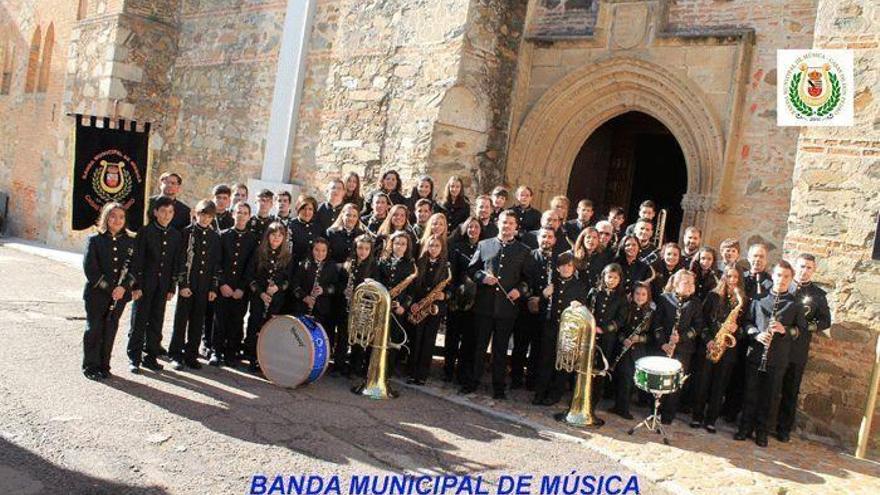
pixel 675 325
pixel 724 337
pixel 425 306
pixel 399 288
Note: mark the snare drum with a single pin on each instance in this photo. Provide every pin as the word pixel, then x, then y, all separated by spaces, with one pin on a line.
pixel 660 375
pixel 292 350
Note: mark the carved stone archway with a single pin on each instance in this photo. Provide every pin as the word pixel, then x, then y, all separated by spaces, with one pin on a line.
pixel 545 146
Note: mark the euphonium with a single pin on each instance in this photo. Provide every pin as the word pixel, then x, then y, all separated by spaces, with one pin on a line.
pixel 575 349
pixel 724 337
pixel 369 324
pixel 425 307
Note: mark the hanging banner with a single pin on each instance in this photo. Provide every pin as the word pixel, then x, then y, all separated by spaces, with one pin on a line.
pixel 109 165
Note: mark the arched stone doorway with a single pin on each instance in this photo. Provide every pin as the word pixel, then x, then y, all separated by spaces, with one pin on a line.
pixel 628 159
pixel 544 148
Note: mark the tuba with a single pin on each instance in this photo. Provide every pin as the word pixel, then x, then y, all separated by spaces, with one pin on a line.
pixel 575 349
pixel 369 324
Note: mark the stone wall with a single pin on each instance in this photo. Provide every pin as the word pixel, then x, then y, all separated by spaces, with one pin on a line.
pixel 834 208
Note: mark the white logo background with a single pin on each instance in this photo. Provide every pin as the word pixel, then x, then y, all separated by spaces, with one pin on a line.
pixel 788 64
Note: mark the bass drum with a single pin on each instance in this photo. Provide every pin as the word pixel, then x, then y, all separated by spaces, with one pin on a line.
pixel 292 350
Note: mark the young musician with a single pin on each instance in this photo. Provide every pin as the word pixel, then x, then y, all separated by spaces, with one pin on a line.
pixel 423 211
pixel 818 318
pixel 607 302
pixel 240 194
pixel 668 263
pixel 259 222
pixel 353 190
pixel 378 213
pixel 224 218
pixel 238 245
pixel 589 257
pixel 460 333
pixel 197 280
pixel 396 221
pixel 282 208
pixel 109 278
pixel 634 269
pixel 424 189
pixel 560 205
pixel 169 186
pixel 269 277
pixel 157 248
pixel 564 290
pixel 584 219
pixel 313 284
pixel 394 270
pixel 360 266
pixel 730 250
pixel 485 214
pixel 713 379
pixel 390 186
pixel 616 217
pixel 498 268
pixel 677 324
pixel 343 232
pixel 632 345
pixel 499 201
pixel 693 238
pixel 706 274
pixel 304 229
pixel 329 210
pixel 773 322
pixel 454 203
pixel 647 213
pixel 433 270
pixel 526 341
pixel 528 218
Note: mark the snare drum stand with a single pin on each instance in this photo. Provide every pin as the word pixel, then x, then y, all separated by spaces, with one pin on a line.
pixel 652 422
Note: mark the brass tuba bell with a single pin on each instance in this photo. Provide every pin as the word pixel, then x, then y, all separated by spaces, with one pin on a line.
pixel 575 348
pixel 369 324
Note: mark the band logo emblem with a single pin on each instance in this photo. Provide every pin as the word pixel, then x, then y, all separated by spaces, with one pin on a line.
pixel 817 88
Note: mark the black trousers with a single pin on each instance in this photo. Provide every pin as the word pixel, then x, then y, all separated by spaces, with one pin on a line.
pixel 712 382
pixel 458 352
pixel 147 318
pixel 670 402
pixel 208 332
pixel 549 382
pixel 526 347
pixel 101 327
pixel 689 390
pixel 498 331
pixel 189 320
pixel 423 341
pixel 736 386
pixel 228 326
pixel 337 331
pixel 259 315
pixel 623 377
pixel 761 399
pixel 791 388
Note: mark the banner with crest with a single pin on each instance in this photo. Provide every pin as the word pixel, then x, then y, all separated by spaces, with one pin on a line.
pixel 110 164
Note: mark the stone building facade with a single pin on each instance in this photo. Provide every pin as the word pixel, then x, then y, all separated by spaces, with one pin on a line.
pixel 496 91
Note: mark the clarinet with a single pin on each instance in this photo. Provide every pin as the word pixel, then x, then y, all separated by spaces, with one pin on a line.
pixel 639 330
pixel 315 285
pixel 190 252
pixel 549 257
pixel 122 274
pixel 764 355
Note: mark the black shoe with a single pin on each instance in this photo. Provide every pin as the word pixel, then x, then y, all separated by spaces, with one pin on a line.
pixel 710 428
pixel 163 352
pixel 696 424
pixel 215 360
pixel 499 395
pixel 549 401
pixel 666 421
pixel 91 374
pixel 105 374
pixel 622 414
pixel 420 382
pixel 739 436
pixel 761 439
pixel 150 363
pixel 467 389
pixel 134 369
pixel 194 364
pixel 253 367
pixel 783 437
pixel 177 365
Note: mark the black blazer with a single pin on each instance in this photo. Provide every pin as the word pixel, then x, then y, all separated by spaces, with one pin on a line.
pixel 236 249
pixel 259 274
pixel 303 280
pixel 690 322
pixel 789 312
pixel 342 242
pixel 392 272
pixel 205 259
pixel 817 314
pixel 105 259
pixel 508 263
pixel 182 213
pixel 156 258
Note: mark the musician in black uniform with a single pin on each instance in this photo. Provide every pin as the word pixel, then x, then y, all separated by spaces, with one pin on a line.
pixel 422 211
pixel 818 318
pixel 378 213
pixel 607 239
pixel 527 329
pixel 329 210
pixel 557 295
pixel 498 267
pixel 584 219
pixel 549 220
pixel 528 218
pixel 499 196
pixel 396 271
pixel 224 218
pixel 454 203
pixel 693 239
pixel 677 324
pixel 237 246
pixel 634 269
pixel 304 229
pixel 707 275
pixel 259 222
pixel 589 257
pixel 397 220
pixel 342 234
pixel 460 334
pixel 240 193
pixel 713 378
pixel 268 275
pixel 666 264
pixel 282 214
pixel 774 321
pixel 423 190
pixel 157 249
pixel 353 195
pixel 169 187
pixel 430 291
pixel 757 281
pixel 485 214
pixel 360 266
pixel 313 285
pixel 644 230
pixel 616 217
pixel 647 213
pixel 435 226
pixel 632 343
pixel 607 302
pixel 389 185
pixel 109 278
pixel 729 251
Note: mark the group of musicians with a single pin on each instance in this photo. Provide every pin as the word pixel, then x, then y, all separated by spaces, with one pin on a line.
pixel 485 269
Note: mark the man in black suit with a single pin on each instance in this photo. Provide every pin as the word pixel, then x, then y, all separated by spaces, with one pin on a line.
pixel 498 267
pixel 169 186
